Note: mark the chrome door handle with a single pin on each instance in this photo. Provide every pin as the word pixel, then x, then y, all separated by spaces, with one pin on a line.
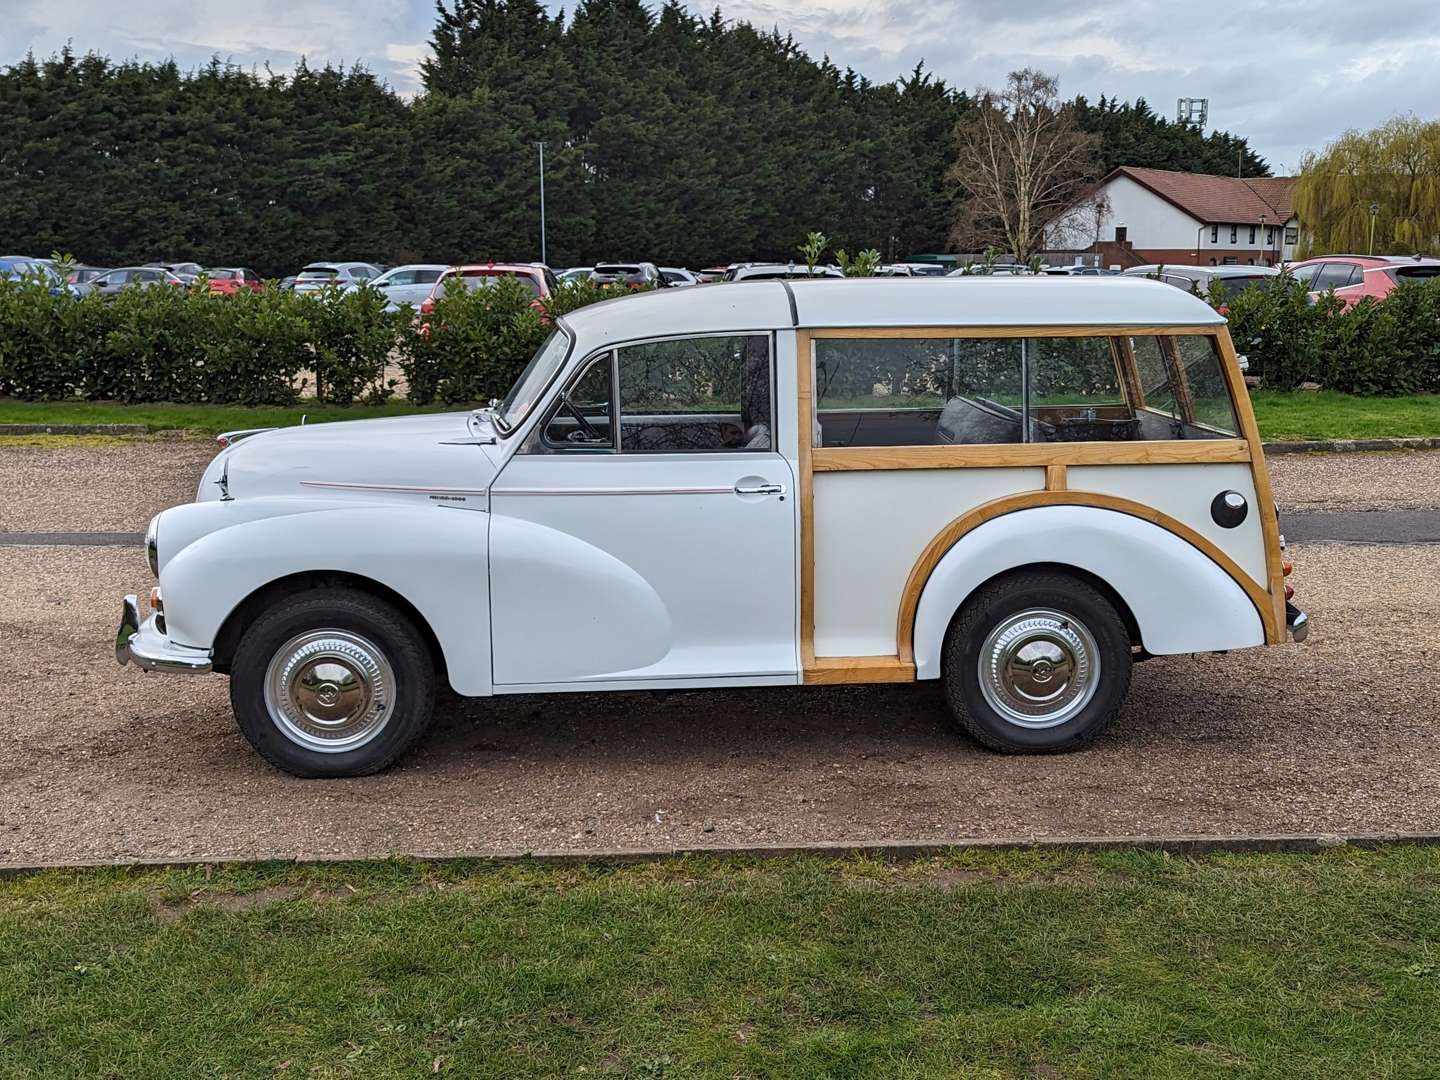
pixel 760 489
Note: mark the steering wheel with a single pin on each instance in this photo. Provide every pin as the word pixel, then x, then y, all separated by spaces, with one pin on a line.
pixel 588 432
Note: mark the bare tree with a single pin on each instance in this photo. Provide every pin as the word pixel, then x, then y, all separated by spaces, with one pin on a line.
pixel 1021 159
pixel 1081 225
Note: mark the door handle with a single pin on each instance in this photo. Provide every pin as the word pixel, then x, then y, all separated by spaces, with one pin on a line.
pixel 759 489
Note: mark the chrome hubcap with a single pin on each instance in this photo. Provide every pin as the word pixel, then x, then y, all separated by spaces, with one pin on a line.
pixel 330 690
pixel 1039 668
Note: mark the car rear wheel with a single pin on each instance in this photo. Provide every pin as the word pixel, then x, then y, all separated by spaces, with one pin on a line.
pixel 332 682
pixel 1037 662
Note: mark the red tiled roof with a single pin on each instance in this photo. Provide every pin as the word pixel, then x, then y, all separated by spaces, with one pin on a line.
pixel 1218 199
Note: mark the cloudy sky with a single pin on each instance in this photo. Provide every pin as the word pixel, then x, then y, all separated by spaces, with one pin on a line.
pixel 1289 74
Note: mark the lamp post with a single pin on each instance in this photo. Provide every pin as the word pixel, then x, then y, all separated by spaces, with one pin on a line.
pixel 541 147
pixel 1374 213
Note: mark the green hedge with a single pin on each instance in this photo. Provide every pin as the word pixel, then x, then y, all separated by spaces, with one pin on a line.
pixel 1375 348
pixel 272 347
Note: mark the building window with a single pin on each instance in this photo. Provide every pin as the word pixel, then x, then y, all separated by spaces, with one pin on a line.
pixel 1234 234
pixel 1292 236
pixel 1269 236
pixel 1252 234
pixel 1121 233
pixel 1214 234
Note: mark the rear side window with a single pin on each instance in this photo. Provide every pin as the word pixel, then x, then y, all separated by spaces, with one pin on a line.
pixel 980 391
pixel 427 277
pixel 314 273
pixel 1335 276
pixel 1422 271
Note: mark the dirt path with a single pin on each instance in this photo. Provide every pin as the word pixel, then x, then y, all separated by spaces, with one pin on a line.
pixel 99 763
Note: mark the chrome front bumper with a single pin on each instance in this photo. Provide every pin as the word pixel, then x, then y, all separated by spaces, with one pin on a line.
pixel 145 645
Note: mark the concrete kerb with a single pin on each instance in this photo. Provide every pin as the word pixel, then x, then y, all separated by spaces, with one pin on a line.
pixel 894 852
pixel 73 429
pixel 1350 446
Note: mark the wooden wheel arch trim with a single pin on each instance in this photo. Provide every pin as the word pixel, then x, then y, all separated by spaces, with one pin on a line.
pixel 965 523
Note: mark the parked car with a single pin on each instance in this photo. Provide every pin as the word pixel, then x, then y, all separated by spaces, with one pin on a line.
pixel 712 273
pixel 111 282
pixel 1197 279
pixel 233 279
pixel 1356 276
pixel 81 273
pixel 185 271
pixel 410 284
pixel 792 483
pixel 779 272
pixel 576 273
pixel 537 277
pixel 635 275
pixel 678 276
pixel 27 265
pixel 916 269
pixel 346 275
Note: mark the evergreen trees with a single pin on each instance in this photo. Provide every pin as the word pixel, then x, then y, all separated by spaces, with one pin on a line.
pixel 668 137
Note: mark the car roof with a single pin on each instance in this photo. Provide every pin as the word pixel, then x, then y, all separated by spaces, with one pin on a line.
pixel 861 302
pixel 419 266
pixel 499 267
pixel 1228 270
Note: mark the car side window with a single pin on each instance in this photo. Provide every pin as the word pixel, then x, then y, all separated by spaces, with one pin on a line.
pixel 581 418
pixel 696 394
pixel 427 277
pixel 1306 274
pixel 1333 276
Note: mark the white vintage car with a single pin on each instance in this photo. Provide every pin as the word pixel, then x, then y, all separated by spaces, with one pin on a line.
pixel 1018 486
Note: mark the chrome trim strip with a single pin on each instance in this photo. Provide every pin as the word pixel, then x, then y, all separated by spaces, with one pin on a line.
pixel 409 488
pixel 616 491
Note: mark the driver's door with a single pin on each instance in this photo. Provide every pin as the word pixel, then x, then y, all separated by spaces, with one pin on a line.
pixel 645 534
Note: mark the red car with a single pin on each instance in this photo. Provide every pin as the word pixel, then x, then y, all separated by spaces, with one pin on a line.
pixel 231 279
pixel 534 276
pixel 1356 276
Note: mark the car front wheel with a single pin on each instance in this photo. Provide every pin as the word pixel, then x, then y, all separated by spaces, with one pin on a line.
pixel 1037 662
pixel 332 682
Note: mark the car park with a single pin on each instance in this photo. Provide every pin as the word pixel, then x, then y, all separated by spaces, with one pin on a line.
pixel 320 275
pixel 1354 277
pixel 109 284
pixel 410 284
pixel 1019 488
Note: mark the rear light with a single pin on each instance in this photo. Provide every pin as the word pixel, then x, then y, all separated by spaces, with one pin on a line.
pixel 1286 567
pixel 427 305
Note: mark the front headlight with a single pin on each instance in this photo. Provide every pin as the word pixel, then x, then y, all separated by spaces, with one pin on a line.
pixel 152 545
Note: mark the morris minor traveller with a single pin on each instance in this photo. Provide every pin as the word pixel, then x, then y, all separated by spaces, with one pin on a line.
pixel 1019 487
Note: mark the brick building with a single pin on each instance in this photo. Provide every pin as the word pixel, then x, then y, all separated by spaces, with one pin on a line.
pixel 1155 216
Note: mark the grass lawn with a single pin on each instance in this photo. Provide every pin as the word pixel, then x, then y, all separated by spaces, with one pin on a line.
pixel 1282 415
pixel 207 419
pixel 1325 414
pixel 993 965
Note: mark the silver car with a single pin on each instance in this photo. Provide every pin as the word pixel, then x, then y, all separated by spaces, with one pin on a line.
pixel 111 282
pixel 409 284
pixel 315 276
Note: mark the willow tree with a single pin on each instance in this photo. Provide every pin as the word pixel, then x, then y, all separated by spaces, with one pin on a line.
pixel 1021 158
pixel 1386 180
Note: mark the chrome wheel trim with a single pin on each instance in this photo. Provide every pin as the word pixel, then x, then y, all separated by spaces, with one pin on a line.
pixel 1039 668
pixel 329 690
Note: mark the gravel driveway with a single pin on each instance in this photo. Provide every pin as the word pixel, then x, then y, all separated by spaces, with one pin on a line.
pixel 100 763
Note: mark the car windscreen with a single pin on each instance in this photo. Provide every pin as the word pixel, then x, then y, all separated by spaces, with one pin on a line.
pixel 485 281
pixel 318 273
pixel 617 270
pixel 532 382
